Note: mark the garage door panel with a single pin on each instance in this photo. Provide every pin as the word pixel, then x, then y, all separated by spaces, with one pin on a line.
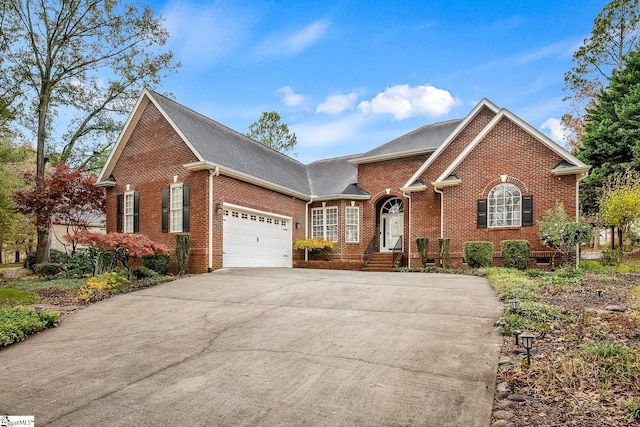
pixel 252 239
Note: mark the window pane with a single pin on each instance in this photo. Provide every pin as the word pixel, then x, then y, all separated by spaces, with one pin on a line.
pixel 128 213
pixel 352 224
pixel 176 209
pixel 504 206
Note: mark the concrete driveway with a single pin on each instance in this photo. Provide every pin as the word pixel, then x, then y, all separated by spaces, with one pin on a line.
pixel 267 347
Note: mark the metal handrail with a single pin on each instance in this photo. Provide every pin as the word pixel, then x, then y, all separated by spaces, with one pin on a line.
pixel 368 252
pixel 397 251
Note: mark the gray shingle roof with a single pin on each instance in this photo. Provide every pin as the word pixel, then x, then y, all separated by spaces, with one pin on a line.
pixel 228 148
pixel 333 177
pixel 424 139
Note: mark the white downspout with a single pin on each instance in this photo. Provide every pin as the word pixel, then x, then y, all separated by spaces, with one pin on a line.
pixel 409 239
pixel 212 173
pixel 306 227
pixel 210 236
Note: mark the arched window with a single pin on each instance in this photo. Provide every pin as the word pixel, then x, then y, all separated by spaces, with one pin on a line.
pixel 505 206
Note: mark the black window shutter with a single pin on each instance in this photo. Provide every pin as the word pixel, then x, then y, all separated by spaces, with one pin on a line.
pixel 185 207
pixel 482 213
pixel 119 213
pixel 136 212
pixel 527 211
pixel 165 210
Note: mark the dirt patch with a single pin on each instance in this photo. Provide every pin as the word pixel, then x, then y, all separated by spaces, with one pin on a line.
pixel 569 384
pixel 60 299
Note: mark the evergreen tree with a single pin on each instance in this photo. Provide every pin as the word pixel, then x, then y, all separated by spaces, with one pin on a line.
pixel 611 143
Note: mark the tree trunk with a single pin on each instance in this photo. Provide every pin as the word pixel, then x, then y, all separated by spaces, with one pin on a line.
pixel 43 246
pixel 17 259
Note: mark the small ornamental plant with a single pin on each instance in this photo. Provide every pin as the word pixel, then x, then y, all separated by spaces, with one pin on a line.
pixel 316 244
pixel 99 287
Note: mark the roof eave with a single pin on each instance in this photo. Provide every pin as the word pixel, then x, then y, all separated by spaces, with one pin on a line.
pixel 447 183
pixel 578 170
pixel 105 184
pixel 341 197
pixel 413 188
pixel 381 158
pixel 207 165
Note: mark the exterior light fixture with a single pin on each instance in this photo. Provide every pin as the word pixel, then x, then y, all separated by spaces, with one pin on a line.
pixel 514 303
pixel 297 223
pixel 516 334
pixel 218 207
pixel 527 343
pixel 599 291
pixel 38 309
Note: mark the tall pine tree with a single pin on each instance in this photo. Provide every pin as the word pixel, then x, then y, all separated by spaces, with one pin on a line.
pixel 611 143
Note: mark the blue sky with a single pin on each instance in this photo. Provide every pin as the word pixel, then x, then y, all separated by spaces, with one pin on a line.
pixel 347 76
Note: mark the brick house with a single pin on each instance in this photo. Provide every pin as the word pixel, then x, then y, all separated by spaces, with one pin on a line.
pixel 489 176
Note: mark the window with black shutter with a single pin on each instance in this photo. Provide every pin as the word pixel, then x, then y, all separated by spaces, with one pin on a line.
pixel 482 213
pixel 165 210
pixel 527 211
pixel 120 213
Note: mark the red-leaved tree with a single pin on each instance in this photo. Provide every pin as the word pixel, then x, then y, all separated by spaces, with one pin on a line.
pixel 67 195
pixel 127 247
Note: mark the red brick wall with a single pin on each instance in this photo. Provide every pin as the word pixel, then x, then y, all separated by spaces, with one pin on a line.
pixel 153 155
pixel 506 150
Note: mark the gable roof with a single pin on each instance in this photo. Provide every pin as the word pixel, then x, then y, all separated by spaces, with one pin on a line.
pixel 425 139
pixel 217 146
pixel 335 178
pixel 571 165
pixel 484 103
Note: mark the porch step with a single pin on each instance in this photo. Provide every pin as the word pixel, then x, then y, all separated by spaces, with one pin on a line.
pixel 380 261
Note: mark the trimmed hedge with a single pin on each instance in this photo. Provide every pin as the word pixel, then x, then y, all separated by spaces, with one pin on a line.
pixel 478 254
pixel 516 253
pixel 157 262
pixel 423 246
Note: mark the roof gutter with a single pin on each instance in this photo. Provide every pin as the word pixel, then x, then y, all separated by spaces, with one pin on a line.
pixel 207 165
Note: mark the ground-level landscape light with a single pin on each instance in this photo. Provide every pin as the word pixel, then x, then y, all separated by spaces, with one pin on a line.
pixel 516 334
pixel 527 343
pixel 514 303
pixel 38 309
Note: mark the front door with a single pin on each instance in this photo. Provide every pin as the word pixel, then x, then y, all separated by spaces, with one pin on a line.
pixel 391 224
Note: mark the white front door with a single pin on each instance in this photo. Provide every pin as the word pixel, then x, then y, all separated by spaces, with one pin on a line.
pixel 391 224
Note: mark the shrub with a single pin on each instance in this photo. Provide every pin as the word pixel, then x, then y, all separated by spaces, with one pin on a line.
pixel 609 257
pixel 80 263
pixel 105 262
pixel 58 257
pixel 143 273
pixel 48 270
pixel 100 286
pixel 516 253
pixel 30 261
pixel 183 249
pixel 478 254
pixel 157 262
pixel 18 323
pixel 314 244
pixel 423 245
pixel 444 248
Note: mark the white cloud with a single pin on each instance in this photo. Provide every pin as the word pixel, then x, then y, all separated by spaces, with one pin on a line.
pixel 295 42
pixel 336 104
pixel 327 133
pixel 207 32
pixel 554 128
pixel 403 101
pixel 290 98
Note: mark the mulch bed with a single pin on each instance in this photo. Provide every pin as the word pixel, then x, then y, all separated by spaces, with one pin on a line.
pixel 566 390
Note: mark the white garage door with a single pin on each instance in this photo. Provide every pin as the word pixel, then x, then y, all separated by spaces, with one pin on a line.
pixel 255 239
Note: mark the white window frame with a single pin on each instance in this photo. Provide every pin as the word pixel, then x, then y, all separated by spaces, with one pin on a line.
pixel 128 210
pixel 175 209
pixel 504 206
pixel 352 224
pixel 323 225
